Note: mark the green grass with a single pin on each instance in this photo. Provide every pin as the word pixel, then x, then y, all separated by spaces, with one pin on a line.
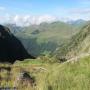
pixel 68 76
pixel 56 76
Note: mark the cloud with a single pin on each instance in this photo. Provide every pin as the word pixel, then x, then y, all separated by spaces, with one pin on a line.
pixel 46 18
pixel 75 13
pixel 64 14
pixel 25 20
pixel 80 13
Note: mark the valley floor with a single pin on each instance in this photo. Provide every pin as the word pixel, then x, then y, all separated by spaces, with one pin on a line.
pixel 46 76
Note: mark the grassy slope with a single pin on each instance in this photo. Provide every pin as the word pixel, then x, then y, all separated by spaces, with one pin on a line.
pixel 68 76
pixel 77 45
pixel 56 76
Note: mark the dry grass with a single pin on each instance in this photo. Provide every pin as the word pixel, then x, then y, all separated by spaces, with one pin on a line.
pixel 53 76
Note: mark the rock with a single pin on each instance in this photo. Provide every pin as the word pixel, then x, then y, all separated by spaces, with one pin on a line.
pixel 11 49
pixel 24 78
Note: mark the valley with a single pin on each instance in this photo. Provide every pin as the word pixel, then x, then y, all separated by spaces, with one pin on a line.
pixel 61 58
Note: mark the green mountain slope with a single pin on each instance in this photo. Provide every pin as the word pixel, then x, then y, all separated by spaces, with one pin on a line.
pixel 14 28
pixel 78 44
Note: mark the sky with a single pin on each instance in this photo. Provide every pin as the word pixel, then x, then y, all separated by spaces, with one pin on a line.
pixel 25 12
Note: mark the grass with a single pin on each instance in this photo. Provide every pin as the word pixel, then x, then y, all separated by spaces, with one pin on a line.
pixel 55 76
pixel 68 76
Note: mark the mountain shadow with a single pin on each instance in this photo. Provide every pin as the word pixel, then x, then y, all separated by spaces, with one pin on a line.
pixel 11 49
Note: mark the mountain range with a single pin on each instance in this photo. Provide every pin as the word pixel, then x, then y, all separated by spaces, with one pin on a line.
pixel 58 38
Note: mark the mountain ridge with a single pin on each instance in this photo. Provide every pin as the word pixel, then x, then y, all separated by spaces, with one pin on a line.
pixel 77 45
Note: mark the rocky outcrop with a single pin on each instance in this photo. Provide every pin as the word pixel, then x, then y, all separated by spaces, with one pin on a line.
pixel 11 49
pixel 24 79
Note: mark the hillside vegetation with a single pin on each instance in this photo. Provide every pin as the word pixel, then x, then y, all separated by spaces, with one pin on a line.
pixel 48 72
pixel 77 45
pixel 55 76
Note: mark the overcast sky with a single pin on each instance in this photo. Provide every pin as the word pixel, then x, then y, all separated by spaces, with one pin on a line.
pixel 25 12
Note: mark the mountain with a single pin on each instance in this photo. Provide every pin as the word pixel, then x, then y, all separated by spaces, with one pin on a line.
pixel 11 49
pixel 77 45
pixel 78 23
pixel 45 38
pixel 14 28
